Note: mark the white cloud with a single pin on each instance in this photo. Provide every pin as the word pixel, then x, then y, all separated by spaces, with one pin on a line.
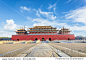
pixel 45 13
pixel 51 6
pixel 45 22
pixel 68 1
pixel 4 33
pixel 37 14
pixel 10 26
pixel 48 15
pixel 9 29
pixel 82 28
pixel 54 9
pixel 77 15
pixel 29 18
pixel 25 8
pixel 53 17
pixel 38 24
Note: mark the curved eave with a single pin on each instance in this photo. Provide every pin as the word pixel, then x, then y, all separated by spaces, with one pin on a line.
pixel 42 30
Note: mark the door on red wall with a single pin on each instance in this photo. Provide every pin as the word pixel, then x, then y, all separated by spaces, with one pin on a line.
pixel 36 39
pixel 49 39
pixel 68 38
pixel 17 39
pixel 43 39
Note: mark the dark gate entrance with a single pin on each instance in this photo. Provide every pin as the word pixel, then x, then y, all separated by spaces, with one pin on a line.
pixel 36 39
pixel 68 38
pixel 43 39
pixel 49 39
pixel 17 39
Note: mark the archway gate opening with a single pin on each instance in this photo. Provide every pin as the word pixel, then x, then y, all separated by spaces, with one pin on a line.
pixel 43 39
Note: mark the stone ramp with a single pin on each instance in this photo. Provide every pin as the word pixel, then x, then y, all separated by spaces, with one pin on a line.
pixel 59 52
pixel 42 50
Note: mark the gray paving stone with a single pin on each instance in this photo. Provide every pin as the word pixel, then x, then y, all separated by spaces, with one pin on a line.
pixel 24 53
pixel 60 53
pixel 42 50
pixel 21 55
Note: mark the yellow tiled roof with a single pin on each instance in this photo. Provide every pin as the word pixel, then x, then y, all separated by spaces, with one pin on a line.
pixel 41 27
pixel 20 31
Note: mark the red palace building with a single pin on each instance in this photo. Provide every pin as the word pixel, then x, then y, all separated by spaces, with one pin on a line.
pixel 43 33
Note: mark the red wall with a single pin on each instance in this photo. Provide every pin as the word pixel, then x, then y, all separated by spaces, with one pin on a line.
pixel 33 37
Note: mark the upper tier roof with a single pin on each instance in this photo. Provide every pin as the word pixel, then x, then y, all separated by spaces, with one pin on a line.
pixel 37 27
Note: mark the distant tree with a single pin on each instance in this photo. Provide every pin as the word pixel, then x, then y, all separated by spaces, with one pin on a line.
pixel 4 37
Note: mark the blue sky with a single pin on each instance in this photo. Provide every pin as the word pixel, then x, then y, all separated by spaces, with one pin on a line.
pixel 57 13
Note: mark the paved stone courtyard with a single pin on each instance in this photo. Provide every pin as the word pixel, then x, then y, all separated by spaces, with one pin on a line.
pixel 42 50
